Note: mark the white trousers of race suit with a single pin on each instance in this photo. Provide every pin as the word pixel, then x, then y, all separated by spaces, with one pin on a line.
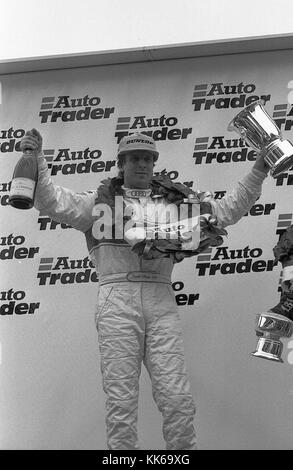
pixel 139 322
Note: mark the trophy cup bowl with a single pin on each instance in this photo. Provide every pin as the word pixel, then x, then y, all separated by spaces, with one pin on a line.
pixel 260 132
pixel 270 327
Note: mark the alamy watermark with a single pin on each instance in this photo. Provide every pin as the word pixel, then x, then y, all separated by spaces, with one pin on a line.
pixel 138 221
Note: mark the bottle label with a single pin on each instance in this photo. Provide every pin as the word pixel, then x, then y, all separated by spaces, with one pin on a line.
pixel 22 187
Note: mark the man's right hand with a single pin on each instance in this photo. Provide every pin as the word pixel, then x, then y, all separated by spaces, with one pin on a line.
pixel 32 140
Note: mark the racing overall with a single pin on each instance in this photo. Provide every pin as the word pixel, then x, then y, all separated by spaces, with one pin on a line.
pixel 137 317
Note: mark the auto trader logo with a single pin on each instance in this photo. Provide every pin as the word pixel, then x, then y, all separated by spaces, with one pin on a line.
pixel 158 127
pixel 218 95
pixel 66 271
pixel 221 150
pixel 67 109
pixel 10 140
pixel 282 115
pixel 279 111
pixel 284 221
pixel 5 193
pixel 236 261
pixel 66 161
pixel 14 303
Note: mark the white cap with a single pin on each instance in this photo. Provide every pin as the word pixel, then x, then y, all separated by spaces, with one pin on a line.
pixel 137 141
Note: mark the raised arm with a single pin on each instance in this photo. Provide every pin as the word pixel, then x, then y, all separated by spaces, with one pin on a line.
pixel 236 203
pixel 59 203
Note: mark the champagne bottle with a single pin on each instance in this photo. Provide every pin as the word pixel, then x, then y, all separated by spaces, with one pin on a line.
pixel 24 181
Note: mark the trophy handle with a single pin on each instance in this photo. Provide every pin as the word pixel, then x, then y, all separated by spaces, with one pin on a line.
pixel 242 131
pixel 231 126
pixel 239 129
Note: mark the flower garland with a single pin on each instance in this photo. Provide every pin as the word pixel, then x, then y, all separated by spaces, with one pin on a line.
pixel 162 186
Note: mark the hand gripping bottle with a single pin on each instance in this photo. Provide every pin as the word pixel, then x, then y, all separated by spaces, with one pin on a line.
pixel 24 181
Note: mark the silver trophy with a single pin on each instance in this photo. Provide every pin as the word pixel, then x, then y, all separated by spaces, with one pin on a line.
pixel 270 327
pixel 261 133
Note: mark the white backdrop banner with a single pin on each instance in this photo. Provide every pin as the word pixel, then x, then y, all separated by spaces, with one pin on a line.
pixel 51 393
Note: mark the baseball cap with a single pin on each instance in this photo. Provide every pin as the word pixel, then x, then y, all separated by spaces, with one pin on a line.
pixel 137 141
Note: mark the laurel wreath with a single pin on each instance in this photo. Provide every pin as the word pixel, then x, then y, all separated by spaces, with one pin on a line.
pixel 175 193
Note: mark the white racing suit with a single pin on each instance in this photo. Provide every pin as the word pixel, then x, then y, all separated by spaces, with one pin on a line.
pixel 137 317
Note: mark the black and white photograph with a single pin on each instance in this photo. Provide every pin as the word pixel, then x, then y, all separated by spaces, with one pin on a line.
pixel 146 242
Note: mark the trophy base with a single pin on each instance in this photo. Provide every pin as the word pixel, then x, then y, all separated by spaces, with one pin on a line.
pixel 279 156
pixel 270 349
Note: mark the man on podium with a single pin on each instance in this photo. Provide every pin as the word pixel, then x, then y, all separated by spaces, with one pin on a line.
pixel 137 317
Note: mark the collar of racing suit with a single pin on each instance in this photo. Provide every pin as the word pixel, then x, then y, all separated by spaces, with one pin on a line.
pixel 136 193
pixel 161 186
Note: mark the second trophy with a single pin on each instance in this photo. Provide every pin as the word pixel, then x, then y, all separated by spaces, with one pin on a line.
pixel 260 132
